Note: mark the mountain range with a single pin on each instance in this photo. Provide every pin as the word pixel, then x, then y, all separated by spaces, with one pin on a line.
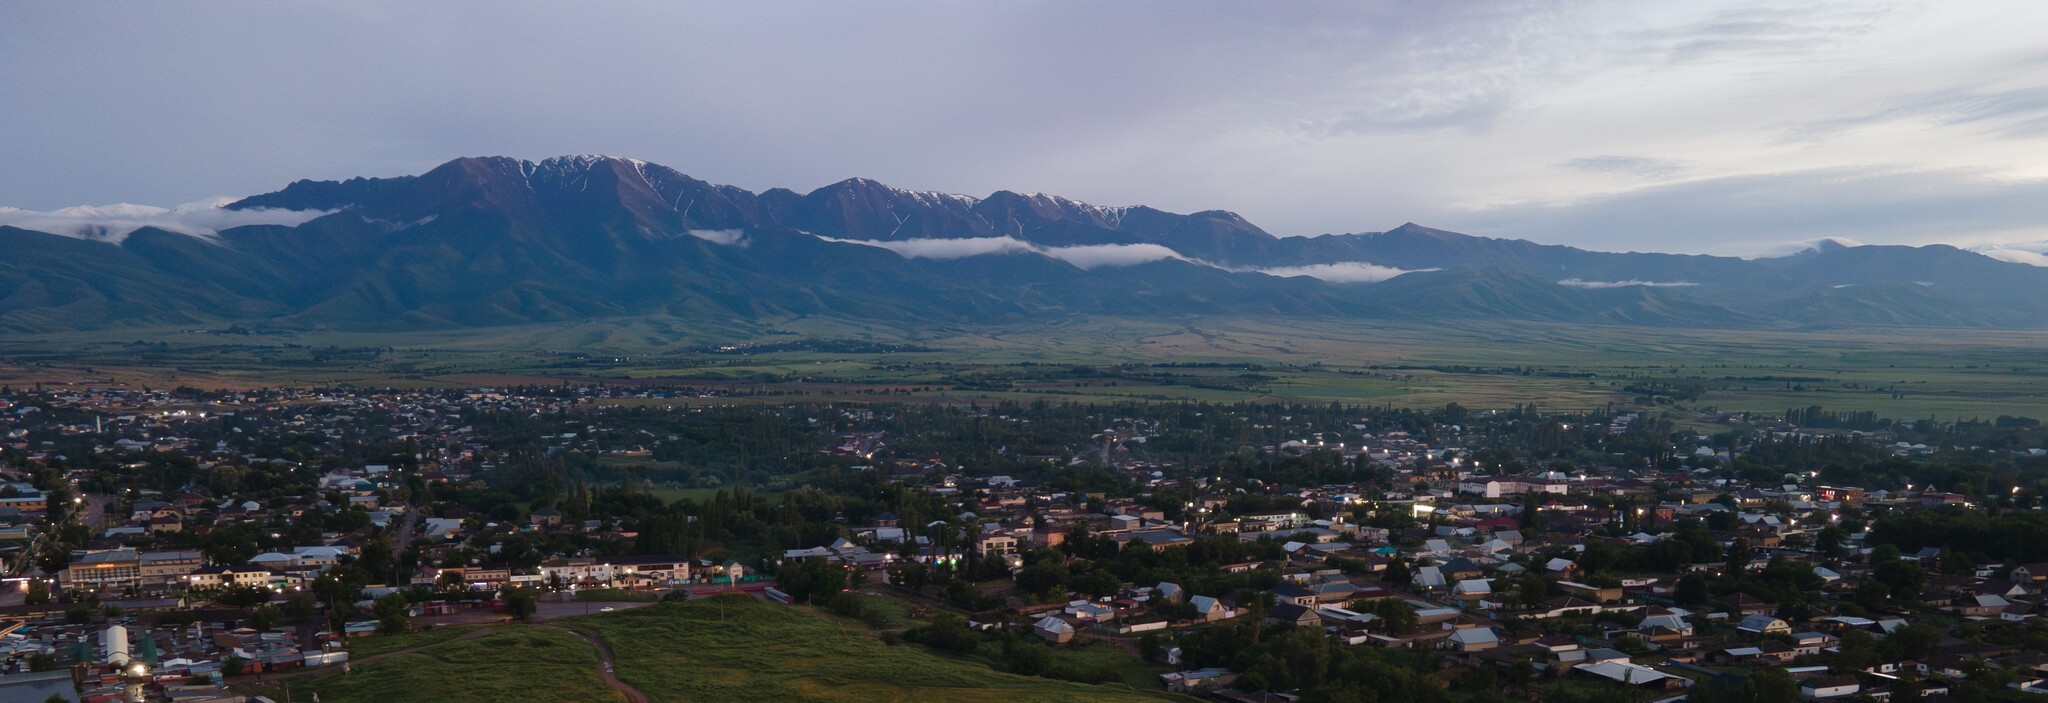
pixel 498 241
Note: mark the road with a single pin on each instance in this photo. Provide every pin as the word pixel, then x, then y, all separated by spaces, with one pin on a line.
pixel 94 514
pixel 407 527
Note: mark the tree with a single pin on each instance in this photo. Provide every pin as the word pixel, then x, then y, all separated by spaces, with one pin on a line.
pixel 1026 658
pixel 811 580
pixel 1151 646
pixel 520 602
pixel 946 631
pixel 43 662
pixel 910 575
pixel 1044 579
pixel 1396 613
pixel 1739 556
pixel 1100 583
pixel 1534 589
pixel 300 606
pixel 38 592
pixel 1774 684
pixel 265 617
pixel 393 613
pixel 1830 541
pixel 1873 595
pixel 1692 590
pixel 1916 641
pixel 1398 573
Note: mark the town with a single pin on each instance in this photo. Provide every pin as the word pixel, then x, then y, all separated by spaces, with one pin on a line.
pixel 218 545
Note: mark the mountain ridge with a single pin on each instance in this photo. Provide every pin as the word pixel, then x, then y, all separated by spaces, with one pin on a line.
pixel 481 241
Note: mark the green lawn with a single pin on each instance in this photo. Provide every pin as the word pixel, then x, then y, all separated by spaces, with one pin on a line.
pixel 515 663
pixel 741 649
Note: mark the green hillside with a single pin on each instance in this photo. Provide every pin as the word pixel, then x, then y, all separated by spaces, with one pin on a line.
pixel 724 649
pixel 741 649
pixel 519 663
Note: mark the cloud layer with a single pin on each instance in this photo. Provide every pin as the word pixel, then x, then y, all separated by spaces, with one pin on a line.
pixel 113 223
pixel 1582 283
pixel 1344 272
pixel 1084 257
pixel 1094 256
pixel 728 237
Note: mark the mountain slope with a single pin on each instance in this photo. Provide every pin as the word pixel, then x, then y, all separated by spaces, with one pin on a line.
pixel 498 241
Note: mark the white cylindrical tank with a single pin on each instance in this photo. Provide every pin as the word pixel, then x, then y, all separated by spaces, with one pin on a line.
pixel 116 641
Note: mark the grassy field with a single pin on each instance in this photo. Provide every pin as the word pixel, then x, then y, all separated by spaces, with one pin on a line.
pixel 523 663
pixel 725 649
pixel 741 649
pixel 373 645
pixel 1900 373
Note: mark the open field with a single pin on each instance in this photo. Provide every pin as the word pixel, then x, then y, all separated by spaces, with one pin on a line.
pixel 1899 373
pixel 741 649
pixel 732 648
pixel 374 645
pixel 519 663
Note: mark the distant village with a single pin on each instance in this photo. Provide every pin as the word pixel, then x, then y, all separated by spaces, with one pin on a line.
pixel 174 545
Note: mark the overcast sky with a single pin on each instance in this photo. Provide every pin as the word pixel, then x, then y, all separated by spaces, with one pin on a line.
pixel 1675 126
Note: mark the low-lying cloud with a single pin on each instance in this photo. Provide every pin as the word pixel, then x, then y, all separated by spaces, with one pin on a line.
pixel 1094 256
pixel 113 223
pixel 1772 250
pixel 1341 272
pixel 1085 257
pixel 728 237
pixel 1582 283
pixel 2029 254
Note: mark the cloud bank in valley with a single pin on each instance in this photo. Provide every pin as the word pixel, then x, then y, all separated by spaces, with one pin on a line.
pixel 113 223
pixel 1094 256
pixel 1582 283
pixel 1341 272
pixel 728 237
pixel 2035 254
pixel 1091 256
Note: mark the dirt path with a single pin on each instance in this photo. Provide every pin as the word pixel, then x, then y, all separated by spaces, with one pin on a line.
pixel 604 670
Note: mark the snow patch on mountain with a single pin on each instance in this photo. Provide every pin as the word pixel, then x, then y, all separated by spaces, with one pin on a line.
pixel 113 223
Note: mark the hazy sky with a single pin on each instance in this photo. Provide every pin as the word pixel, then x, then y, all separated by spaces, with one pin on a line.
pixel 1679 126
